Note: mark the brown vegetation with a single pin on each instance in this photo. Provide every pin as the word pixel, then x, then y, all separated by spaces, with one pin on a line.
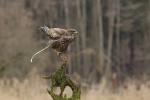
pixel 34 88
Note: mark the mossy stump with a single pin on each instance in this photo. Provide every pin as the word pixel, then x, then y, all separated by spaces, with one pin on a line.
pixel 60 79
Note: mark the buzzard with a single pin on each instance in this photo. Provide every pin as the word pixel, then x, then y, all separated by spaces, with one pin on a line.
pixel 59 39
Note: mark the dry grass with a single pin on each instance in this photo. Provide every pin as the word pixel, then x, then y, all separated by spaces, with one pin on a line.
pixel 131 93
pixel 34 88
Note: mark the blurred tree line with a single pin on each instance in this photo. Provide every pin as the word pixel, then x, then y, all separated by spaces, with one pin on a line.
pixel 114 37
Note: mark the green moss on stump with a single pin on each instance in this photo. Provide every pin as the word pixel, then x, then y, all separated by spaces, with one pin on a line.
pixel 60 79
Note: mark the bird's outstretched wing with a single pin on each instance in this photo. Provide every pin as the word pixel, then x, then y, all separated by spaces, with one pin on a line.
pixel 56 33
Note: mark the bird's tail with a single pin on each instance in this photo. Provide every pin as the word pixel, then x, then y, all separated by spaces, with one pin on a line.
pixel 39 52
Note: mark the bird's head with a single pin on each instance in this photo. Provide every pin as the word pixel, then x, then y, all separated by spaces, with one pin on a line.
pixel 73 32
pixel 44 29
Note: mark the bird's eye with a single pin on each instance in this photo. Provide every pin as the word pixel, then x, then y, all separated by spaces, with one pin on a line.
pixel 73 31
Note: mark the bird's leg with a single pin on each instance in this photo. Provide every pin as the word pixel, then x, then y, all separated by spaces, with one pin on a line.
pixel 63 57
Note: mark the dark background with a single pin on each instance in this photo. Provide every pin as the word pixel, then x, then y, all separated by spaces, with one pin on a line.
pixel 114 38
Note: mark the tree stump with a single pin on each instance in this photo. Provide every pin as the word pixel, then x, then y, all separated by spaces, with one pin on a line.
pixel 60 79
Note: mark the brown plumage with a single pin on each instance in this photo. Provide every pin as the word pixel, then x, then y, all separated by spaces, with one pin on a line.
pixel 60 39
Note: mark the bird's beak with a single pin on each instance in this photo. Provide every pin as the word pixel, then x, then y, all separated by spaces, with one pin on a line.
pixel 76 33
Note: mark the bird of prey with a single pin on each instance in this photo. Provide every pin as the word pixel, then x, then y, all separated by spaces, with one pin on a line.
pixel 57 33
pixel 59 39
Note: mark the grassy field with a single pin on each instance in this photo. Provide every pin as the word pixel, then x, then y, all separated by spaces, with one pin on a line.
pixel 34 88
